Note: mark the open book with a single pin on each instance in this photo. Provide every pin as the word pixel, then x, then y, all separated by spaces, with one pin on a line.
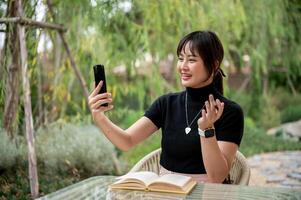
pixel 150 181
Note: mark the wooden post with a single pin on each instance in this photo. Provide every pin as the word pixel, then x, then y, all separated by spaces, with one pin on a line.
pixel 32 160
pixel 12 80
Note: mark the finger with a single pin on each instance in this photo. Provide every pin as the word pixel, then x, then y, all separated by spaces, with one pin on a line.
pixel 212 103
pixel 203 114
pixel 220 110
pixel 103 108
pixel 100 102
pixel 218 105
pixel 107 108
pixel 97 89
pixel 99 96
pixel 207 106
pixel 97 104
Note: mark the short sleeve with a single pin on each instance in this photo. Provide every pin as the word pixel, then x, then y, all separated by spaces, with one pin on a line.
pixel 155 112
pixel 231 124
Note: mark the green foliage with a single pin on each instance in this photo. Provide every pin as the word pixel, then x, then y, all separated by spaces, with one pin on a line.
pixel 244 99
pixel 269 116
pixel 256 141
pixel 289 105
pixel 62 147
pixel 66 153
pixel 279 106
pixel 145 147
pixel 291 113
pixel 124 116
pixel 9 153
pixel 114 34
pixel 283 98
pixel 14 183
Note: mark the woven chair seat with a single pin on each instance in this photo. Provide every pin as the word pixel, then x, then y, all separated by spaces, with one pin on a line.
pixel 239 172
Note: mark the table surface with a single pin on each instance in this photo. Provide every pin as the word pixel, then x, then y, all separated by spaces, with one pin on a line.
pixel 97 188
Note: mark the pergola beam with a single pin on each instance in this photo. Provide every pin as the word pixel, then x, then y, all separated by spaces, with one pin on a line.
pixel 29 22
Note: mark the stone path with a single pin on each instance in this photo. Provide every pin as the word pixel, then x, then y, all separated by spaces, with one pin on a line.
pixel 276 169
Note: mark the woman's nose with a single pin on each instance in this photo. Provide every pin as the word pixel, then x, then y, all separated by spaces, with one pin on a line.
pixel 183 65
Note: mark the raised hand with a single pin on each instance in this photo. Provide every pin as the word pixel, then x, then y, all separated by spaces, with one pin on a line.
pixel 95 101
pixel 214 110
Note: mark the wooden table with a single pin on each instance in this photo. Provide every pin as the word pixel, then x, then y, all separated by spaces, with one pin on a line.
pixel 97 188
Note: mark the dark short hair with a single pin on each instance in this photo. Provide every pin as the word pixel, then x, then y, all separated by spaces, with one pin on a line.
pixel 207 45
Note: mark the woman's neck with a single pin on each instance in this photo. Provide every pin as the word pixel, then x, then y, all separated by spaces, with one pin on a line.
pixel 201 93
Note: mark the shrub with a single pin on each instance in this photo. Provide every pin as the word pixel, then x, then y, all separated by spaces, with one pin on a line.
pixel 82 148
pixel 291 113
pixel 269 116
pixel 9 153
pixel 255 141
pixel 283 98
pixel 265 113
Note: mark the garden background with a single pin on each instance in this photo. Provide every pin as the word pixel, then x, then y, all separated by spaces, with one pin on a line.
pixel 136 40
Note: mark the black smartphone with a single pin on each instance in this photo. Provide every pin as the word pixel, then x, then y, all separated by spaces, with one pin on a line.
pixel 99 75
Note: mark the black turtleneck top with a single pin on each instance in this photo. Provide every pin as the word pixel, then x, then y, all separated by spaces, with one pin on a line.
pixel 182 152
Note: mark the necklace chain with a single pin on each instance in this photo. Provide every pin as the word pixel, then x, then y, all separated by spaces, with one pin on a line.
pixel 186 112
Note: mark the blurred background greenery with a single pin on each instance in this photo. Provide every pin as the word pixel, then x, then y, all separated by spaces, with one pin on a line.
pixel 136 40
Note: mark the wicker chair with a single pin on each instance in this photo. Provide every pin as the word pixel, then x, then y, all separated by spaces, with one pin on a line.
pixel 239 173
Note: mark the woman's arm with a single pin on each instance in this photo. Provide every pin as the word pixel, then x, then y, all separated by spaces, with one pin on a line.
pixel 123 139
pixel 217 155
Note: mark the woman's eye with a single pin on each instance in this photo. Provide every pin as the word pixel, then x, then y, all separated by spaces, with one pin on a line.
pixel 192 60
pixel 180 59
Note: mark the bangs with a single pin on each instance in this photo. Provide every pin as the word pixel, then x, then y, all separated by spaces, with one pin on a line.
pixel 193 42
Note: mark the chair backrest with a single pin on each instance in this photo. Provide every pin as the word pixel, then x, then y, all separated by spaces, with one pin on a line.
pixel 239 173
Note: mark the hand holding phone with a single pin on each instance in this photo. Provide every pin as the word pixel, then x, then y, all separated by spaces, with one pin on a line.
pixel 99 75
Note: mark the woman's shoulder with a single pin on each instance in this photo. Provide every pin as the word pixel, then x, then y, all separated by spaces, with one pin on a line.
pixel 231 106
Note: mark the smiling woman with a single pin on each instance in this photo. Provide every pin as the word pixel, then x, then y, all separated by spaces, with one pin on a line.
pixel 203 61
pixel 199 137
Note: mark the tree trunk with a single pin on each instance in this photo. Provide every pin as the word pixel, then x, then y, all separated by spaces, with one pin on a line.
pixel 32 160
pixel 13 78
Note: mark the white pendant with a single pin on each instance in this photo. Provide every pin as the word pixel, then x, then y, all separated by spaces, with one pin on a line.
pixel 187 130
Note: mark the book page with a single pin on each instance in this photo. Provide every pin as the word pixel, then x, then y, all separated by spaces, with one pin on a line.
pixel 172 179
pixel 143 176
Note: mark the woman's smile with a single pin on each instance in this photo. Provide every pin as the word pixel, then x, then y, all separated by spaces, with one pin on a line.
pixel 185 76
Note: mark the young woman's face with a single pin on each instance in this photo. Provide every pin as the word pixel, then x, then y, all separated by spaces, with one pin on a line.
pixel 192 70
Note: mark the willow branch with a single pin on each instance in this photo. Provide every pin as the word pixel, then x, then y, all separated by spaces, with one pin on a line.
pixel 72 60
